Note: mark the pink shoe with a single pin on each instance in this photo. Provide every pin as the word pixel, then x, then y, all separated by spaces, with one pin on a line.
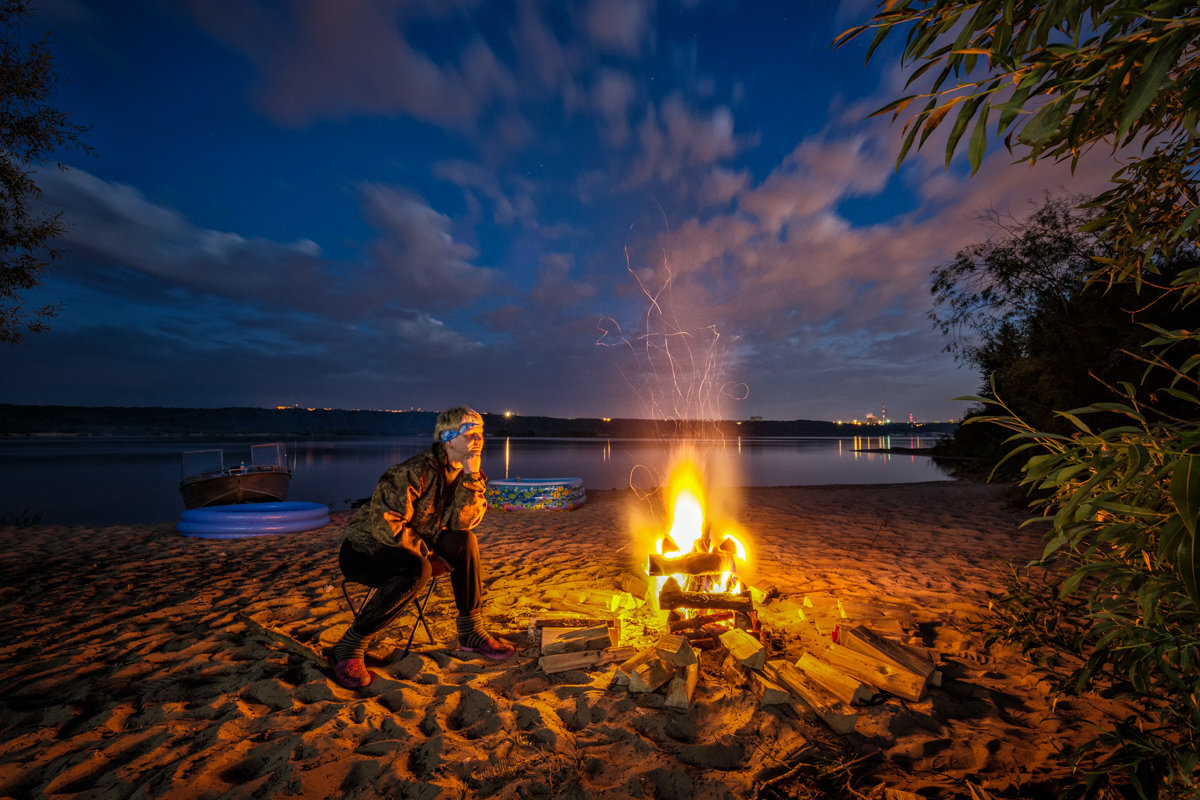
pixel 351 673
pixel 491 647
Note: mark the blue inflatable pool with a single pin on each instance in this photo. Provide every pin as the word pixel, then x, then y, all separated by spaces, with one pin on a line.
pixel 536 494
pixel 244 520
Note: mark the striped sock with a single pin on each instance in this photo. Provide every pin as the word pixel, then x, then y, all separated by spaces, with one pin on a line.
pixel 352 645
pixel 470 630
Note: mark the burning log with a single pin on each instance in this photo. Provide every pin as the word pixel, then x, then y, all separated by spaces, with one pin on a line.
pixel 745 648
pixel 671 597
pixel 691 564
pixel 681 688
pixel 691 623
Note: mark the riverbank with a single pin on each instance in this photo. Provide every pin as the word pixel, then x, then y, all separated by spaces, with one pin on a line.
pixel 138 662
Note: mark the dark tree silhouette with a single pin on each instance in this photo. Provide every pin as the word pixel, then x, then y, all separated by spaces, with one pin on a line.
pixel 30 129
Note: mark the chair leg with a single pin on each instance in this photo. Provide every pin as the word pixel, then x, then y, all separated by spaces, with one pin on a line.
pixel 420 604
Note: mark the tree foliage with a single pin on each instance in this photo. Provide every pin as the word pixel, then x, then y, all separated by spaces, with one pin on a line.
pixel 1118 483
pixel 1021 309
pixel 30 129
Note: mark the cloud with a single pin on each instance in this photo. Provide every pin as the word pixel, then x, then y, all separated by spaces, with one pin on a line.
pixel 675 139
pixel 619 26
pixel 424 266
pixel 354 57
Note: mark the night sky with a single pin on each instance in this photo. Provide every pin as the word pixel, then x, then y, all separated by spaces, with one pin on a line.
pixel 569 208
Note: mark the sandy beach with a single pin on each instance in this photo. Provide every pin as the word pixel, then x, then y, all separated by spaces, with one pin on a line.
pixel 141 663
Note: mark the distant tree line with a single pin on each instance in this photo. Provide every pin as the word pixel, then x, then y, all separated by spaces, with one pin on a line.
pixel 27 420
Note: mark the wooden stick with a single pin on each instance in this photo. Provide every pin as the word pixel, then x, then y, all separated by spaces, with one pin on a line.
pixel 279 637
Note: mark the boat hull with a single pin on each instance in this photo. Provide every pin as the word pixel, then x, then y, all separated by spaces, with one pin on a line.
pixel 230 489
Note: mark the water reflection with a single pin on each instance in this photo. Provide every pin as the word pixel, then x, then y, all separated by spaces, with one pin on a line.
pixel 124 481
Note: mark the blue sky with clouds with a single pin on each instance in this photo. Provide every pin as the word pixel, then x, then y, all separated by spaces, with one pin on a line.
pixel 558 207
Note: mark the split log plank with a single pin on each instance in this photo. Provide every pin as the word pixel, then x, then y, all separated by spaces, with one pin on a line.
pixel 626 669
pixel 682 687
pixel 763 590
pixel 849 690
pixel 583 659
pixel 745 647
pixel 832 711
pixel 868 641
pixel 770 693
pixel 886 676
pixel 594 638
pixel 649 677
pixel 675 650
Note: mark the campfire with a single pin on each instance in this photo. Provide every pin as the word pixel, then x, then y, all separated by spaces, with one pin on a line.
pixel 696 585
pixel 695 565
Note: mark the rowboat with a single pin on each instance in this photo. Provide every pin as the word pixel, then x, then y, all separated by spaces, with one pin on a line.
pixel 208 482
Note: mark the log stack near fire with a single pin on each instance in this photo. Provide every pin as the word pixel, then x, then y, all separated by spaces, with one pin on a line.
pixel 855 653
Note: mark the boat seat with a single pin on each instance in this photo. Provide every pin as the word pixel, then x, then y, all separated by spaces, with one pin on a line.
pixel 418 602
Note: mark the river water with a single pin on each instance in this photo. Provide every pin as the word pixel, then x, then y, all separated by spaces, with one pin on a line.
pixel 98 481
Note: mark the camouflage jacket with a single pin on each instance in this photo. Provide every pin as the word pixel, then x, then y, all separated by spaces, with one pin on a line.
pixel 414 501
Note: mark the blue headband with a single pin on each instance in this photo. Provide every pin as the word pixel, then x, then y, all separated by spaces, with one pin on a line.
pixel 449 436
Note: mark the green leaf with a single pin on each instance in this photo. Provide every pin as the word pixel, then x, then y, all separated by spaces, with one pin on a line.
pixel 978 144
pixel 1185 490
pixel 1187 565
pixel 1150 81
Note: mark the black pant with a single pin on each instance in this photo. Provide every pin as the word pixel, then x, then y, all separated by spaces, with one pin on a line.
pixel 397 575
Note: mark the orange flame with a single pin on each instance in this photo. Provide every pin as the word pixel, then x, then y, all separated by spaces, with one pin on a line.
pixel 690 530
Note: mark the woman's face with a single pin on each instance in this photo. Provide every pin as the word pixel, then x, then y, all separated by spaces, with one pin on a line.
pixel 468 443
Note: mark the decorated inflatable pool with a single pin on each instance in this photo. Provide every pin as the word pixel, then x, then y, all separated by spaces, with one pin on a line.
pixel 536 494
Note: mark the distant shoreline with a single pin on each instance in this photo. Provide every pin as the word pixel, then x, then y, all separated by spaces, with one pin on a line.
pixel 18 421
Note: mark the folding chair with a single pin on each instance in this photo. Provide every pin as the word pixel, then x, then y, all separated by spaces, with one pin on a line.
pixel 418 602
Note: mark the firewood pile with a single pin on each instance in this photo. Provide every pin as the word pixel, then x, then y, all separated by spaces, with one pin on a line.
pixel 855 652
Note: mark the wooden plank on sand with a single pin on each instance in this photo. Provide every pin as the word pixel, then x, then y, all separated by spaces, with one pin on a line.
pixel 594 638
pixel 585 659
pixel 868 641
pixel 832 711
pixel 675 650
pixel 682 686
pixel 745 647
pixel 884 675
pixel 650 676
pixel 848 689
pixel 629 666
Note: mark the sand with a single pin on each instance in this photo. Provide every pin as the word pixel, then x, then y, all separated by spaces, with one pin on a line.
pixel 140 663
